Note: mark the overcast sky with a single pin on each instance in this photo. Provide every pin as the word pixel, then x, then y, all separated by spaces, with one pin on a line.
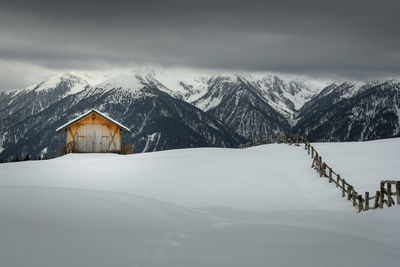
pixel 348 38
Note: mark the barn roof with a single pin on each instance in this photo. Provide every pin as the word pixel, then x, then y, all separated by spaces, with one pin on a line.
pixel 122 127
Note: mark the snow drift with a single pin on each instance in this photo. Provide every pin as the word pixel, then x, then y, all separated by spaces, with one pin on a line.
pixel 198 207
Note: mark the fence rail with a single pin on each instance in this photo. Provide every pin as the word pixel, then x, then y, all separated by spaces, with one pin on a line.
pixel 382 197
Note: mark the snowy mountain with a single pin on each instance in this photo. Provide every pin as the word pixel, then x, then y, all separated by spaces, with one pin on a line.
pixel 285 97
pixel 240 105
pixel 15 105
pixel 158 121
pixel 352 112
pixel 177 109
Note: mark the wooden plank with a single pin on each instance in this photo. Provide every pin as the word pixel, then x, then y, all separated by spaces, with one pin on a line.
pixel 389 182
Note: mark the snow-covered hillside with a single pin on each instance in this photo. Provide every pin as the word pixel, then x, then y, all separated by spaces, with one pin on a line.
pixel 262 206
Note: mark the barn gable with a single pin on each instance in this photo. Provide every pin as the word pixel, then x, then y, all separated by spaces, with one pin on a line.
pixel 93 132
pixel 122 127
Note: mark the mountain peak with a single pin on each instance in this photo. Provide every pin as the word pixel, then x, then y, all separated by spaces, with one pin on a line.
pixel 131 82
pixel 74 83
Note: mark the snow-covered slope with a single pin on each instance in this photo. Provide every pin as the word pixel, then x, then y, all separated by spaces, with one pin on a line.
pixel 196 207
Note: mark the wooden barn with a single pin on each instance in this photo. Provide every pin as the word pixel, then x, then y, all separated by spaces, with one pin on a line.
pixel 93 132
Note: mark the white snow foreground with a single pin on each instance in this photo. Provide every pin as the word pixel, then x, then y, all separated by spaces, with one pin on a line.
pixel 262 206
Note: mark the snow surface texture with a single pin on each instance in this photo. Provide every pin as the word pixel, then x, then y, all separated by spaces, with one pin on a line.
pixel 262 206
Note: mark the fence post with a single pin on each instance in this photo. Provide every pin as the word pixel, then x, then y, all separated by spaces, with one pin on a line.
pixel 343 187
pixel 337 180
pixel 297 140
pixel 389 194
pixel 366 207
pixel 360 203
pixel 382 195
pixel 398 192
pixel 321 167
pixel 312 152
pixel 377 198
pixel 330 175
pixel 354 198
pixel 349 192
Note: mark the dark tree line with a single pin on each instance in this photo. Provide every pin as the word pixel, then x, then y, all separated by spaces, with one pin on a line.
pixel 27 157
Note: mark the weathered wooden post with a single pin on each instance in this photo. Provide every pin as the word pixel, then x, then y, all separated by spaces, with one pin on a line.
pixel 354 198
pixel 366 207
pixel 398 192
pixel 389 194
pixel 330 175
pixel 297 140
pixel 349 192
pixel 377 198
pixel 360 203
pixel 321 166
pixel 343 187
pixel 312 152
pixel 337 180
pixel 382 195
pixel 308 148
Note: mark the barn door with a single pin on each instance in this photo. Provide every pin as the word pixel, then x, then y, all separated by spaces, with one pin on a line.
pixel 105 142
pixel 81 143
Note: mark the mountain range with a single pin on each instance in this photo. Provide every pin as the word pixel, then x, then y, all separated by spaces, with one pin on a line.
pixel 169 110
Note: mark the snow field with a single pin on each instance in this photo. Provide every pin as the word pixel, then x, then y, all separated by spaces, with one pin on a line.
pixel 262 206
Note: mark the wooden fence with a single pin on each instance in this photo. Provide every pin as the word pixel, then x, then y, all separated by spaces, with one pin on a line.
pixel 382 197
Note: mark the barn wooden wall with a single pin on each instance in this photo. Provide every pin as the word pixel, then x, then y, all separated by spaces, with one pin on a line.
pixel 94 134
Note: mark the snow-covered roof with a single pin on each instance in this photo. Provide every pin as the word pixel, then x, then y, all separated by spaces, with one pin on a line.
pixel 122 127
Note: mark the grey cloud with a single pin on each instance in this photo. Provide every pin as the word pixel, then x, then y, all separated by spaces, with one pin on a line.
pixel 356 39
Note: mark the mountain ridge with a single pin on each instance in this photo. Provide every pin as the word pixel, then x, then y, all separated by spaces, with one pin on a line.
pixel 214 110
